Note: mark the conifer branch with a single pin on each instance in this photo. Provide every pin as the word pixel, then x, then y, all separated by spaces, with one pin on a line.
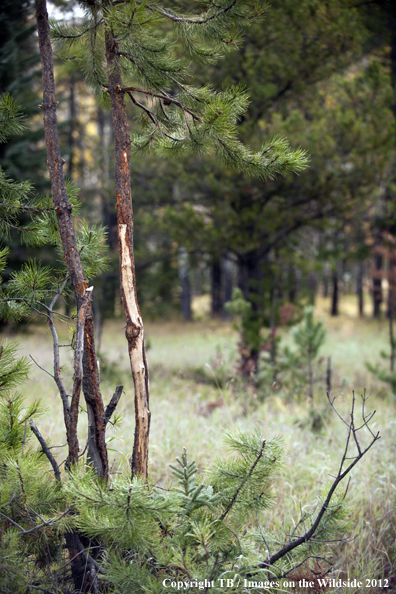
pixel 243 482
pixel 190 21
pixel 163 96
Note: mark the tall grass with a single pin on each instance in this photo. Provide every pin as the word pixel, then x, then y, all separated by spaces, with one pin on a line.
pixel 196 396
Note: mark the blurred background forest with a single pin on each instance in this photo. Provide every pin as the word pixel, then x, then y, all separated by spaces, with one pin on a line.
pixel 226 265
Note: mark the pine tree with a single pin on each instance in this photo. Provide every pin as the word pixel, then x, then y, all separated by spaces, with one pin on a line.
pixel 128 535
pixel 118 45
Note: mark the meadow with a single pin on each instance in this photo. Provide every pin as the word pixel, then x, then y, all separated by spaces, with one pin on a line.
pixel 196 396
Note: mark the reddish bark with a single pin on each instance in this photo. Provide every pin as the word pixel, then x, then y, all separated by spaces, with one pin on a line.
pixel 134 331
pixel 63 208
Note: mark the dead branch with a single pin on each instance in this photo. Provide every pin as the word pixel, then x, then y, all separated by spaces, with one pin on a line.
pixel 346 465
pixel 110 408
pixel 46 450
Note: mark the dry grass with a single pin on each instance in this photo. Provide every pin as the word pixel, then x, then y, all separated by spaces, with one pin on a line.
pixel 193 414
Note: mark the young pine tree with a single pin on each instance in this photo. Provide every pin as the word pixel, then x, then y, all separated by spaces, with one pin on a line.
pixel 128 52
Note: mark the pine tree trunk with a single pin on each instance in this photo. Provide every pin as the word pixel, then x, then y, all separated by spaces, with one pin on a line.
pixel 334 296
pixel 359 288
pixel 134 331
pixel 97 451
pixel 249 269
pixel 377 285
pixel 184 276
pixel 325 281
pixel 217 301
pixel 228 283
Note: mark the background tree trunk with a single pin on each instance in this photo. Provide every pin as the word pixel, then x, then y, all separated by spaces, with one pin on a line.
pixel 377 285
pixel 359 288
pixel 217 297
pixel 184 276
pixel 335 292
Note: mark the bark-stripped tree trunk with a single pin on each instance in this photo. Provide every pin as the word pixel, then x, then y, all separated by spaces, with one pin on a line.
pixel 96 434
pixel 134 324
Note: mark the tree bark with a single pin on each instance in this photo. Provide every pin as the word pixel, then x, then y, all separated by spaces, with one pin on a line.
pixel 334 296
pixel 134 330
pixel 359 288
pixel 377 285
pixel 249 269
pixel 217 301
pixel 185 297
pixel 90 381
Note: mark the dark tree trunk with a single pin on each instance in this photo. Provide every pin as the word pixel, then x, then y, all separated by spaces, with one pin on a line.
pixel 228 283
pixel 184 276
pixel 217 301
pixel 325 281
pixel 312 287
pixel 335 293
pixel 134 331
pixel 250 277
pixel 293 283
pixel 359 288
pixel 84 568
pixel 377 285
pixel 90 381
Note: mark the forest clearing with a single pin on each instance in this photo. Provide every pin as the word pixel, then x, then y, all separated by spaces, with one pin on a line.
pixel 197 296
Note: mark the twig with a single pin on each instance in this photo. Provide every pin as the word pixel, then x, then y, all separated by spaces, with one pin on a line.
pixel 352 432
pixel 110 408
pixel 42 368
pixel 46 451
pixel 245 478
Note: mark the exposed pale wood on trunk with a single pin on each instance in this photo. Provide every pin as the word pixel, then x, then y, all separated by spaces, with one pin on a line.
pixel 134 324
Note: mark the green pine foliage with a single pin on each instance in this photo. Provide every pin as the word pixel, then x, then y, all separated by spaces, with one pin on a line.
pixel 175 115
pixel 34 286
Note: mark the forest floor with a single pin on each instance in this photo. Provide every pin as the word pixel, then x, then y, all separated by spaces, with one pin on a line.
pixel 196 396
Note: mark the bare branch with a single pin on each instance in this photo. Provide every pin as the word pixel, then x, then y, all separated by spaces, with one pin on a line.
pixel 352 431
pixel 46 451
pixel 113 403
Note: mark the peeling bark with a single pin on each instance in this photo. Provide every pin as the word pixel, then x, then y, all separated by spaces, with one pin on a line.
pixel 63 209
pixel 134 331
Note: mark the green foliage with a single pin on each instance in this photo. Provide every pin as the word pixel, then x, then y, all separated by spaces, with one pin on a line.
pixel 297 365
pixel 34 285
pixel 383 374
pixel 10 117
pixel 308 336
pixel 248 323
pixel 181 117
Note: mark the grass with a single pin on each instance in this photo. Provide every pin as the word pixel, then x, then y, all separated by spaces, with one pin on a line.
pixel 195 397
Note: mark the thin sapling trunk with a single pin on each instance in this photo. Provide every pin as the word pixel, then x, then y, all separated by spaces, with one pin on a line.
pixel 134 331
pixel 63 208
